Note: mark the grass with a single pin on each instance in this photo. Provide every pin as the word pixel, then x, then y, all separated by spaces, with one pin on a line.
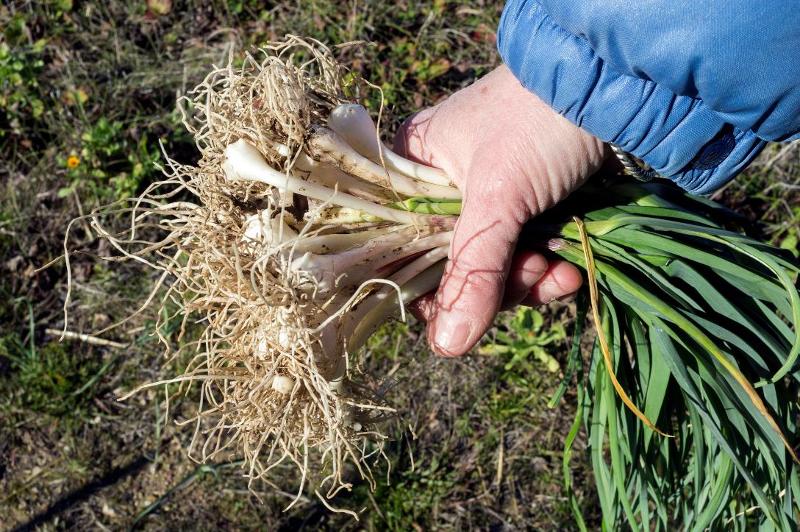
pixel 87 92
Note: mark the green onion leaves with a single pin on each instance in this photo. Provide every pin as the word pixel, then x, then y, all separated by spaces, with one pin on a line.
pixel 703 326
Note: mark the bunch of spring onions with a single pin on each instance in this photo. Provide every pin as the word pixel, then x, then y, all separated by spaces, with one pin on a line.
pixel 302 233
pixel 690 396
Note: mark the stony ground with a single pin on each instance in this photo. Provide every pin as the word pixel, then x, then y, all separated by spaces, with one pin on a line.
pixel 87 91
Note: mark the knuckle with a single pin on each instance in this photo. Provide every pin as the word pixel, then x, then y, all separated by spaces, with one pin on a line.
pixel 506 193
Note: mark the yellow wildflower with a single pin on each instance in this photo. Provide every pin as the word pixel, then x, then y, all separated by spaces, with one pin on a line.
pixel 73 161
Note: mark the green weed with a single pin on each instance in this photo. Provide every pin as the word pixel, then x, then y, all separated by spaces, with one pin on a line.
pixel 19 87
pixel 527 342
pixel 50 379
pixel 412 498
pixel 525 346
pixel 788 235
pixel 111 165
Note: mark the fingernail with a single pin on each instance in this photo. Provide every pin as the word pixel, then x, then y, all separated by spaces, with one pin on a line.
pixel 451 335
pixel 549 291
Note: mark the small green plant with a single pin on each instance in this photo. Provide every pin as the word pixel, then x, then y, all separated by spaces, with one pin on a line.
pixel 524 347
pixel 50 379
pixel 111 165
pixel 789 239
pixel 20 68
pixel 527 341
pixel 412 500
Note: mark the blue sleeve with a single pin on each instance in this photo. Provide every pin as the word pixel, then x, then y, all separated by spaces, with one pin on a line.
pixel 695 89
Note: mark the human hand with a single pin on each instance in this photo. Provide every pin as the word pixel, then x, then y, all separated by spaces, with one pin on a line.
pixel 512 157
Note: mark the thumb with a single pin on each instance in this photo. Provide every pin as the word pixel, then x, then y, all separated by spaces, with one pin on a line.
pixel 472 287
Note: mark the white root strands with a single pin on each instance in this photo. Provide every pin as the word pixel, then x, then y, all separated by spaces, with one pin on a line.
pixel 285 243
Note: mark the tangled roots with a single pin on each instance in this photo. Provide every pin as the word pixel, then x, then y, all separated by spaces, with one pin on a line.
pixel 264 392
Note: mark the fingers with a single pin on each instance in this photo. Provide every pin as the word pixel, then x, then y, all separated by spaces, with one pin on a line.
pixel 562 279
pixel 527 268
pixel 531 282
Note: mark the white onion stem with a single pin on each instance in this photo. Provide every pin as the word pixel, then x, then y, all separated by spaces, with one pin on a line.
pixel 328 147
pixel 330 176
pixel 243 161
pixel 352 122
pixel 424 277
pixel 357 325
pixel 335 243
pixel 350 268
